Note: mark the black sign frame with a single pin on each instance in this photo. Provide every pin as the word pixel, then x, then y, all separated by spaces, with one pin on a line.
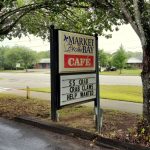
pixel 55 75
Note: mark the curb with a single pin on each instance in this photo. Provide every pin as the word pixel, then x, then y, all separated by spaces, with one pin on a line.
pixel 100 141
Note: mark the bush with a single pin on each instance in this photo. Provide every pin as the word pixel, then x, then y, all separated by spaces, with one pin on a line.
pixel 128 66
pixel 20 68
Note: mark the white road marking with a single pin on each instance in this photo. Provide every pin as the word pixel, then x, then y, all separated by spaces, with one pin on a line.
pixel 3 89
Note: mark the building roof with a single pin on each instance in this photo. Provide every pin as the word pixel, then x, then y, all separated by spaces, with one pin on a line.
pixel 45 61
pixel 133 60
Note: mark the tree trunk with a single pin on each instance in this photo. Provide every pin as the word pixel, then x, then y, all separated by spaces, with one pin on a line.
pixel 145 75
pixel 120 71
pixel 26 68
pixel 146 95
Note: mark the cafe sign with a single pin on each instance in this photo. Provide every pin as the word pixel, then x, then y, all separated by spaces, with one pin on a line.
pixel 76 52
pixel 74 71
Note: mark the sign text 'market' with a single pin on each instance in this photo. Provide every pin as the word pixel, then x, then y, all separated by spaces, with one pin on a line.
pixel 79 44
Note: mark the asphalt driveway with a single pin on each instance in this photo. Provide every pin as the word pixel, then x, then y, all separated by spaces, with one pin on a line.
pixel 17 136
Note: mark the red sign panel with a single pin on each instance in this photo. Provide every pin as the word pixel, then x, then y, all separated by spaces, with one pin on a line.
pixel 78 61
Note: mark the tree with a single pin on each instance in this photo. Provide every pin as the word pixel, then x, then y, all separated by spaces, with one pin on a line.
pixel 27 57
pixel 92 16
pixel 103 58
pixel 11 57
pixel 2 59
pixel 11 12
pixel 43 54
pixel 19 17
pixel 119 58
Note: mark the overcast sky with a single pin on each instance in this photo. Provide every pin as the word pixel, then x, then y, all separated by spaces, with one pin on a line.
pixel 125 36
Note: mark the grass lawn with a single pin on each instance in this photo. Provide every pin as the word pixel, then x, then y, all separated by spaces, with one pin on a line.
pixel 114 92
pixel 45 90
pixel 12 71
pixel 122 92
pixel 125 72
pixel 9 70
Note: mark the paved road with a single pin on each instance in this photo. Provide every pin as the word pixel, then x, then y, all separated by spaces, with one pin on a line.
pixel 120 80
pixel 2 89
pixel 21 80
pixel 17 136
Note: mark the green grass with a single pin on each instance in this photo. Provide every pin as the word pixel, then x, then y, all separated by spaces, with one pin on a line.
pixel 12 71
pixel 125 72
pixel 114 92
pixel 122 92
pixel 45 90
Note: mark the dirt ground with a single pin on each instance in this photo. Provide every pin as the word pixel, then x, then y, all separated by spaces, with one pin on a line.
pixel 115 123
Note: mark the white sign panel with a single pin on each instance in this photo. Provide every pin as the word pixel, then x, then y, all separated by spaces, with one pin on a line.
pixel 77 88
pixel 76 52
pixel 17 65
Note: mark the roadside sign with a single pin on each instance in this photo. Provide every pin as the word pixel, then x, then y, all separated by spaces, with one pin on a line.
pixel 76 52
pixel 77 88
pixel 74 71
pixel 17 65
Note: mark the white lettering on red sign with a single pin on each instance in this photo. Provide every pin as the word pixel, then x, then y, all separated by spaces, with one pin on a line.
pixel 73 61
